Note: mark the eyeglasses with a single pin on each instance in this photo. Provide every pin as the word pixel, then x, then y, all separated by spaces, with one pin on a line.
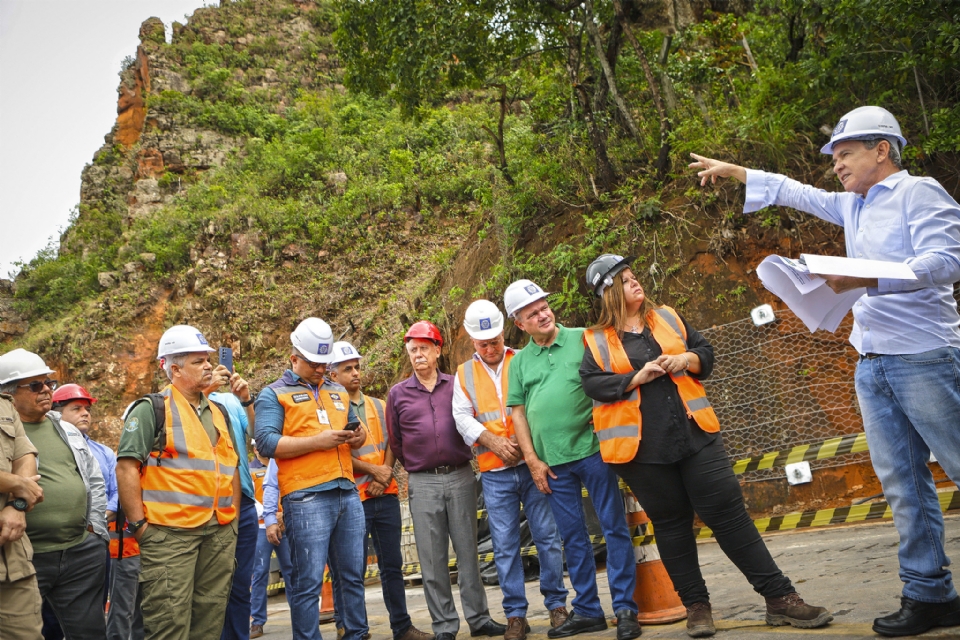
pixel 312 365
pixel 37 385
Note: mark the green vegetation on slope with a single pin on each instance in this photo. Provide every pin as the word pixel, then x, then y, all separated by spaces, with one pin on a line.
pixel 503 120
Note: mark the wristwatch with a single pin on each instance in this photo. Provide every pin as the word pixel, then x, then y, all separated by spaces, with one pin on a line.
pixel 18 503
pixel 248 402
pixel 135 526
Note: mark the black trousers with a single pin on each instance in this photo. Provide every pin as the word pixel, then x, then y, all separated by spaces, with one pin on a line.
pixel 71 581
pixel 703 483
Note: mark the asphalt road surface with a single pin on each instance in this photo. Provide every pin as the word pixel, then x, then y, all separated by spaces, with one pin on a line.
pixel 851 570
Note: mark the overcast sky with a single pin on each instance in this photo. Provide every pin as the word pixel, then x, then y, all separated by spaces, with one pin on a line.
pixel 59 61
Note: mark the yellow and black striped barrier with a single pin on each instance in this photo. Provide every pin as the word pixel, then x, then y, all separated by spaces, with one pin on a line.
pixel 853 443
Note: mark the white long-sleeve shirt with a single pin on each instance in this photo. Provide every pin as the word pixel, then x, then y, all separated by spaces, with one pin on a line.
pixel 468 426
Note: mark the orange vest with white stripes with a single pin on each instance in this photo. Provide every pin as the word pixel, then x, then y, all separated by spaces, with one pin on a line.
pixel 190 481
pixel 487 407
pixel 130 545
pixel 374 449
pixel 300 406
pixel 618 424
pixel 257 475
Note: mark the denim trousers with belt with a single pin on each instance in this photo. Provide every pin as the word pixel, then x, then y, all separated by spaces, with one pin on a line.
pixel 911 408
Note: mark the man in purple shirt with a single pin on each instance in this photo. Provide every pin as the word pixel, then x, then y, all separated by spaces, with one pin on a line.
pixel 441 486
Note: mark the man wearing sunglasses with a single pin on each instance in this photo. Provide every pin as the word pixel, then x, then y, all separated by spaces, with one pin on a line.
pixel 68 529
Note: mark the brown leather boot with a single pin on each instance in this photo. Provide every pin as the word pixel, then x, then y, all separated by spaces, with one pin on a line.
pixel 791 609
pixel 700 620
pixel 415 634
pixel 558 616
pixel 517 629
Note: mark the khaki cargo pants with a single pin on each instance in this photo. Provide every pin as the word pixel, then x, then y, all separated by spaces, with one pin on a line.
pixel 186 578
pixel 20 609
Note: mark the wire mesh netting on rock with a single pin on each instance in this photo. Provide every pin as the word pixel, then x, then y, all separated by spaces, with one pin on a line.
pixel 778 386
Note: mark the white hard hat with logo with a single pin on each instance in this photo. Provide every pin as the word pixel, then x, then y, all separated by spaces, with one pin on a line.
pixel 344 351
pixel 483 320
pixel 182 338
pixel 865 123
pixel 520 294
pixel 21 364
pixel 313 338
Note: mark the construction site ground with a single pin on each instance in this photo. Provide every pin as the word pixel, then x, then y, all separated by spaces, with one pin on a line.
pixel 852 570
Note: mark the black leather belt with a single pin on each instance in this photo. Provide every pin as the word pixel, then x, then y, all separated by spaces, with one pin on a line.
pixel 445 469
pixel 870 356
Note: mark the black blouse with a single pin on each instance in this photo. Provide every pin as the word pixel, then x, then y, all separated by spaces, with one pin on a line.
pixel 667 434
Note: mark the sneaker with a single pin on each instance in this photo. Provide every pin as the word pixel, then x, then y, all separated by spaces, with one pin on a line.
pixel 256 630
pixel 558 616
pixel 517 629
pixel 700 620
pixel 415 634
pixel 791 609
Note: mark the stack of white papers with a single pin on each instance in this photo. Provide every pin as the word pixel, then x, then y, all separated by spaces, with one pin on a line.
pixel 799 285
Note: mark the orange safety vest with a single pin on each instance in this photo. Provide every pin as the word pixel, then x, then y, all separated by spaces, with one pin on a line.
pixel 618 424
pixel 258 475
pixel 300 419
pixel 487 407
pixel 130 545
pixel 190 481
pixel 374 449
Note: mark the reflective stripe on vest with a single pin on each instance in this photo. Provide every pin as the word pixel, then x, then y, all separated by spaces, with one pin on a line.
pixel 618 424
pixel 300 405
pixel 190 481
pixel 487 406
pixel 374 450
pixel 130 545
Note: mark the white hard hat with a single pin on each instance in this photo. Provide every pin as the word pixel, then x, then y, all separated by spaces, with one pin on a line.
pixel 864 123
pixel 483 320
pixel 313 338
pixel 344 351
pixel 20 364
pixel 520 294
pixel 182 338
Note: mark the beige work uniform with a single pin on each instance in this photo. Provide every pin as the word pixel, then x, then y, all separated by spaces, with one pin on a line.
pixel 19 595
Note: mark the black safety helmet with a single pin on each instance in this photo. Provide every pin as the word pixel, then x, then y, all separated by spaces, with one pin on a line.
pixel 601 271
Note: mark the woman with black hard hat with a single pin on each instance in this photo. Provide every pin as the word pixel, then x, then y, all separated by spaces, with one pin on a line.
pixel 642 366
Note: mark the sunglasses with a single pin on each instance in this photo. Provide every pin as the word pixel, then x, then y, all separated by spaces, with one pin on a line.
pixel 37 385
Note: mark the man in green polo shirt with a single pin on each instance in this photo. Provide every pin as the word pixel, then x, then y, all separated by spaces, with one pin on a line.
pixel 553 422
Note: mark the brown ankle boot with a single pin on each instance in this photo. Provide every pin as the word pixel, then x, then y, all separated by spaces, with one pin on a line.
pixel 791 609
pixel 700 620
pixel 517 629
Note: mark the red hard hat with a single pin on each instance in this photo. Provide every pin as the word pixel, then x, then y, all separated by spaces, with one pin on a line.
pixel 69 392
pixel 424 330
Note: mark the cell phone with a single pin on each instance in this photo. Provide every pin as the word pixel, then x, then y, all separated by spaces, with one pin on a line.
pixel 226 357
pixel 352 426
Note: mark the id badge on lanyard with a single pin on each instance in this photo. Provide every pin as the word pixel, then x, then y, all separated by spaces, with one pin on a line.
pixel 322 417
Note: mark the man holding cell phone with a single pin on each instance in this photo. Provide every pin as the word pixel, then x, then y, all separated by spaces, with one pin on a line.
pixel 301 421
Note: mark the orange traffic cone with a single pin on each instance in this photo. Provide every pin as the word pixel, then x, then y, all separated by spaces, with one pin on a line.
pixel 655 596
pixel 326 599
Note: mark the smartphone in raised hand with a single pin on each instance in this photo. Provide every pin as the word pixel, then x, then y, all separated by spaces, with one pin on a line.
pixel 225 357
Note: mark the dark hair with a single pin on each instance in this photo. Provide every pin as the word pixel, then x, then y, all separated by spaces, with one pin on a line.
pixel 613 308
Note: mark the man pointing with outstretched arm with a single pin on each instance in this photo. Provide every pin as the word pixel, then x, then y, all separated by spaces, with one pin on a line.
pixel 907 333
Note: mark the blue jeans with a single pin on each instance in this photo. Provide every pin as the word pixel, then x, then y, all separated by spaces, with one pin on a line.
pixel 325 526
pixel 503 491
pixel 383 526
pixel 237 621
pixel 261 575
pixel 565 499
pixel 911 407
